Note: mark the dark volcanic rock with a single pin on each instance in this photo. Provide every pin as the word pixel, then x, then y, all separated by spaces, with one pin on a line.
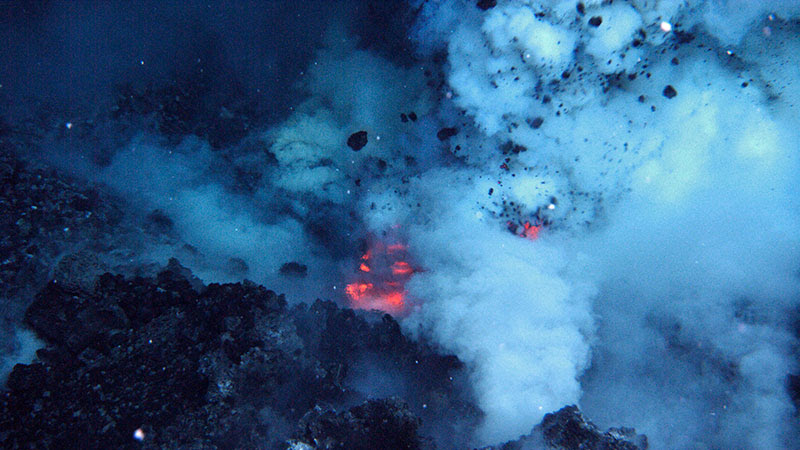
pixel 375 424
pixel 669 92
pixel 357 140
pixel 42 215
pixel 226 366
pixel 130 355
pixel 567 429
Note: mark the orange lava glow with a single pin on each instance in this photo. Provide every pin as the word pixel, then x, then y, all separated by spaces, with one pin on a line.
pixel 527 230
pixel 394 248
pixel 365 296
pixel 357 291
pixel 402 268
pixel 382 274
pixel 531 231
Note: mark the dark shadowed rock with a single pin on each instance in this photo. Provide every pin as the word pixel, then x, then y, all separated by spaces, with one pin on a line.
pixel 669 91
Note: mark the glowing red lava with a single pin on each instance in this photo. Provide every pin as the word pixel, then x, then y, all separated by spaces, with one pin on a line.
pixel 526 230
pixel 531 231
pixel 383 272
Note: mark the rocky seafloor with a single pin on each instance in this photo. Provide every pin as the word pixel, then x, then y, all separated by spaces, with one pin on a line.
pixel 160 363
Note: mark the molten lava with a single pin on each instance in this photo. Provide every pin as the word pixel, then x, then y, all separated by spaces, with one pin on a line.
pixel 382 273
pixel 526 229
pixel 531 231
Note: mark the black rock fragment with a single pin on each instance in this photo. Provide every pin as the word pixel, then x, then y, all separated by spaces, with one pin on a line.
pixel 357 140
pixel 669 91
pixel 596 21
pixel 446 133
pixel 403 117
pixel 536 122
pixel 485 5
pixel 413 116
pixel 581 8
pixel 510 147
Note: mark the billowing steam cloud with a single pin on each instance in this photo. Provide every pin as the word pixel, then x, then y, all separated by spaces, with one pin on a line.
pixel 598 201
pixel 674 170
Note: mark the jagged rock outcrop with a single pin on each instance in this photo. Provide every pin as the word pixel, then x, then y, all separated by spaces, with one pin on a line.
pixel 228 366
pixel 568 429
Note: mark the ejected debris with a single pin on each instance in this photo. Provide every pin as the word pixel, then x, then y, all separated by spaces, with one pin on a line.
pixel 486 5
pixel 535 123
pixel 357 140
pixel 669 91
pixel 446 133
